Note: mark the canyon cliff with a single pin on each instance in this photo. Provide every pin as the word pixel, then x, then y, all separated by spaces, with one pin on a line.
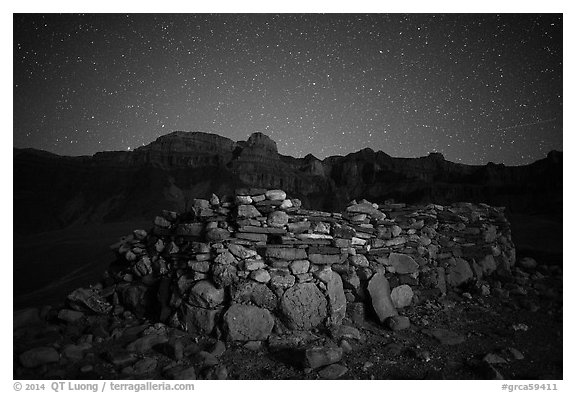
pixel 53 192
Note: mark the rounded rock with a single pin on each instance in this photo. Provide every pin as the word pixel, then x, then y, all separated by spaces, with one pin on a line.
pixel 260 275
pixel 303 306
pixel 277 219
pixel 402 296
pixel 398 322
pixel 205 294
pixel 275 195
pixel 248 323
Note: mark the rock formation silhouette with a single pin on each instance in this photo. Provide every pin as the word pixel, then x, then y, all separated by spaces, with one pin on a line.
pixel 53 192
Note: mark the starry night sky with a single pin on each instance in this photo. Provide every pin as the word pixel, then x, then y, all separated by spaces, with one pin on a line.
pixel 475 87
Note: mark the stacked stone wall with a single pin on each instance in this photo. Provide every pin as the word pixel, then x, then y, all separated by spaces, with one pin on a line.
pixel 259 262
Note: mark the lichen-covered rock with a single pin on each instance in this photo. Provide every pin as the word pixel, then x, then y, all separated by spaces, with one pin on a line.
pixel 299 266
pixel 248 323
pixel 224 275
pixel 225 258
pixel 282 280
pixel 336 299
pixel 402 296
pixel 303 306
pixel 260 275
pixel 257 293
pixel 83 298
pixel 343 231
pixel 248 211
pixel 359 260
pixel 243 200
pixel 277 219
pixel 241 252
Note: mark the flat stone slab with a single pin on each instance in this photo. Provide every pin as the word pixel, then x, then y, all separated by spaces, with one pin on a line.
pixel 241 252
pixel 326 259
pixel 287 253
pixel 265 230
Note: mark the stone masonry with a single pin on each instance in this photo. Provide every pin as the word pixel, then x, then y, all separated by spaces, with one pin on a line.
pixel 259 262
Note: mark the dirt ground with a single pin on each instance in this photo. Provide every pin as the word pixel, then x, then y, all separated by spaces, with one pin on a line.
pixel 530 322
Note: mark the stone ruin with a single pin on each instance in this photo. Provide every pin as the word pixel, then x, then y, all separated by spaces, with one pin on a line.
pixel 259 264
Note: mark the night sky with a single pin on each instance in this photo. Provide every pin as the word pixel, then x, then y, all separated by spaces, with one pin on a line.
pixel 475 87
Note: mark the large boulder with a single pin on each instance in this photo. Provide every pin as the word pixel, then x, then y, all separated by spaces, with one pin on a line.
pixel 458 272
pixel 379 290
pixel 303 306
pixel 257 293
pixel 248 323
pixel 205 294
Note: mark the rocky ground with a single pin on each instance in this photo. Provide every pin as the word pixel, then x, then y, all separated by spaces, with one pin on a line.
pixel 514 332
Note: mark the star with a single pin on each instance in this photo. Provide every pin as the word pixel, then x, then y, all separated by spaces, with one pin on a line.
pixel 477 87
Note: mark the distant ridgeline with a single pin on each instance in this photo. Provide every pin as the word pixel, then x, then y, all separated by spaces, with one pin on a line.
pixel 54 192
pixel 259 264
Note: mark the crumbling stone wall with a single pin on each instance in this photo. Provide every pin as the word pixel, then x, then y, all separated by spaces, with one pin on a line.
pixel 260 262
